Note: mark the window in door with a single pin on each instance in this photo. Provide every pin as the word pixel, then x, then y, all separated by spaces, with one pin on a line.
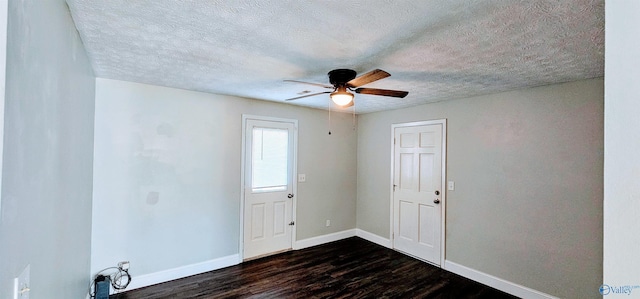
pixel 269 159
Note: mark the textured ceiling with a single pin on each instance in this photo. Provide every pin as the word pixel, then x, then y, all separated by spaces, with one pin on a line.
pixel 436 50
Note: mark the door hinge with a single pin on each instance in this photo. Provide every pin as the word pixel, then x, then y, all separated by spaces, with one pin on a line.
pixel 292 223
pixel 394 141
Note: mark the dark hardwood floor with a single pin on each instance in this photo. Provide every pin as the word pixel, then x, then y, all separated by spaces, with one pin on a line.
pixel 350 268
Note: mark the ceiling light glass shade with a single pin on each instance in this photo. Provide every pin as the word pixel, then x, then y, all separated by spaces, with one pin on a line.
pixel 341 97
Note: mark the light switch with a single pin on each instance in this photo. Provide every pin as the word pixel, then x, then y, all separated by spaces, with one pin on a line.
pixel 302 178
pixel 451 186
pixel 21 283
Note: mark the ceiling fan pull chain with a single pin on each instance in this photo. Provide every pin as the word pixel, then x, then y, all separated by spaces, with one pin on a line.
pixel 354 117
pixel 329 117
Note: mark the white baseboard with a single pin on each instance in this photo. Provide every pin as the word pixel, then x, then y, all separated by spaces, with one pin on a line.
pixel 319 240
pixel 181 272
pixel 495 282
pixel 373 238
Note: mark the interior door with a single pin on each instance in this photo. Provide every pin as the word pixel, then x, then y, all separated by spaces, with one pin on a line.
pixel 268 190
pixel 417 191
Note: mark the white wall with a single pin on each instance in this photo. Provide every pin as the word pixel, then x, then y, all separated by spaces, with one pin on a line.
pixel 185 147
pixel 48 149
pixel 622 145
pixel 527 166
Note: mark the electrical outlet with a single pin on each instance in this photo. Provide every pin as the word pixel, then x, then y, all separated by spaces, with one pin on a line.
pixel 21 285
pixel 451 186
pixel 124 265
pixel 328 223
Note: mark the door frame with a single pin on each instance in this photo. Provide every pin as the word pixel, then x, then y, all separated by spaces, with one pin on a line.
pixel 294 175
pixel 443 201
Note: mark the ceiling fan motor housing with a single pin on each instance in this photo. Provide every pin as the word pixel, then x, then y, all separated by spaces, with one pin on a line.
pixel 341 76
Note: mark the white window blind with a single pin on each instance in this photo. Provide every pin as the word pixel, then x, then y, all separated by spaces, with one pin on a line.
pixel 269 159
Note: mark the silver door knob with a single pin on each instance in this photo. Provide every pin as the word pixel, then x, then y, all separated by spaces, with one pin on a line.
pixel 436 201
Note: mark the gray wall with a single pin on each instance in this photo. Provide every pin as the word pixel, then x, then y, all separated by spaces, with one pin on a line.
pixel 48 149
pixel 186 146
pixel 528 171
pixel 4 6
pixel 622 145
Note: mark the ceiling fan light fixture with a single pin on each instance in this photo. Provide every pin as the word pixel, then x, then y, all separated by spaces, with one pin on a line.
pixel 341 96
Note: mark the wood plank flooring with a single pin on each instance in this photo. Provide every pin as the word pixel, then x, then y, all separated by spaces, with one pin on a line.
pixel 349 268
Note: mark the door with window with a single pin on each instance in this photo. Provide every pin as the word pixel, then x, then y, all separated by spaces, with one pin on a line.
pixel 417 190
pixel 268 215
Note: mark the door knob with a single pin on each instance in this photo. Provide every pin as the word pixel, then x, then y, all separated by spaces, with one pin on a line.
pixel 436 201
pixel 437 192
pixel 290 195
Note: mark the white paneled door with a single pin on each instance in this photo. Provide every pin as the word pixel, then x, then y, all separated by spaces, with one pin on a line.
pixel 417 191
pixel 268 187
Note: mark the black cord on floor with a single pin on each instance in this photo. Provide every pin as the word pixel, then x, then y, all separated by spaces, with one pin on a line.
pixel 120 279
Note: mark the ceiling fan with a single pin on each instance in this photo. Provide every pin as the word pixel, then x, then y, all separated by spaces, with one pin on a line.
pixel 344 80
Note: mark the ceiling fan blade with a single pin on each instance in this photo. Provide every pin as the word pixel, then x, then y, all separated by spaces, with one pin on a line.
pixel 309 83
pixel 383 92
pixel 369 77
pixel 306 95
